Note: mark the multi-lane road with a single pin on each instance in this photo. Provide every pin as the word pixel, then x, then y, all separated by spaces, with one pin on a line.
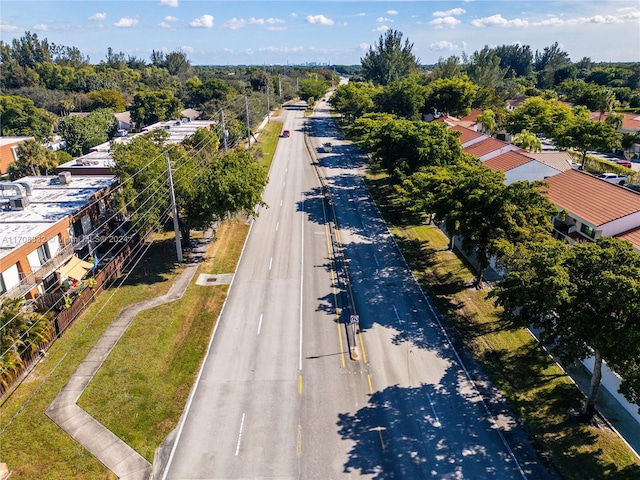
pixel 289 390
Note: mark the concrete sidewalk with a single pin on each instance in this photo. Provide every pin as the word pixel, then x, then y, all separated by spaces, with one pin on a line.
pixel 114 453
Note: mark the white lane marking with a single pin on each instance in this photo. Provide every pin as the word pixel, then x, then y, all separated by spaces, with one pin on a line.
pixel 277 226
pixel 260 324
pixel 280 202
pixel 375 259
pixel 239 435
pixel 435 415
pixel 270 263
pixel 396 312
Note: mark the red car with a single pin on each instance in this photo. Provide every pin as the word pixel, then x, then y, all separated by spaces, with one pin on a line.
pixel 624 163
pixel 286 133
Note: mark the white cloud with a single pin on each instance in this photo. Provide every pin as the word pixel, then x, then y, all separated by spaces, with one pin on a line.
pixel 364 47
pixel 165 25
pixel 448 13
pixel 8 28
pixel 392 12
pixel 383 19
pixel 498 20
pixel 318 20
pixel 237 23
pixel 170 18
pixel 98 17
pixel 168 3
pixel 41 26
pixel 205 21
pixel 444 45
pixel 444 22
pixel 381 28
pixel 126 22
pixel 596 19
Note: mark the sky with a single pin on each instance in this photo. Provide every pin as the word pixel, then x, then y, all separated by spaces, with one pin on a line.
pixel 339 32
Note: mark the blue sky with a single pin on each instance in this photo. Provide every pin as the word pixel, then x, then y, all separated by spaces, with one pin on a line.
pixel 327 32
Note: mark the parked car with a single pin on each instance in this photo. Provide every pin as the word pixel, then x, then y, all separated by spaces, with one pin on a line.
pixel 633 186
pixel 613 178
pixel 286 133
pixel 624 162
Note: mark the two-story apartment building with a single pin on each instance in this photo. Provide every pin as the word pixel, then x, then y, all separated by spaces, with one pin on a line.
pixel 46 225
pixel 8 153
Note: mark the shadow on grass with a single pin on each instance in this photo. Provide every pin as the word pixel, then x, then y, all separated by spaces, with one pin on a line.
pixel 156 265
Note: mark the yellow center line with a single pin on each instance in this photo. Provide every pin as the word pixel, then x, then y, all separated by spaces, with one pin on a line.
pixel 370 385
pixel 381 439
pixel 300 384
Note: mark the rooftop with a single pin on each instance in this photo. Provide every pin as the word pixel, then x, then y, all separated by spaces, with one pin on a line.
pixel 508 161
pixel 596 201
pixel 50 202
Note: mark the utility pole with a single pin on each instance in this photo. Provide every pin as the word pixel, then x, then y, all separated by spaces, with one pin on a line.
pixel 174 209
pixel 225 132
pixel 246 108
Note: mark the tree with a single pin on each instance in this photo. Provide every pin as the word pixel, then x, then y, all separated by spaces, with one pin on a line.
pixel 527 140
pixel 82 133
pixel 20 117
pixel 516 59
pixel 155 106
pixel 586 135
pixel 390 61
pixel 452 96
pixel 488 121
pixel 21 331
pixel 108 98
pixel 483 68
pixel 207 186
pixel 312 88
pixel 353 99
pixel 33 159
pixel 404 98
pixel 448 68
pixel 475 205
pixel 404 146
pixel 584 299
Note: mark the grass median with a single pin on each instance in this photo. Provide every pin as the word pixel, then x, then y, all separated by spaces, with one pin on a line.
pixel 535 386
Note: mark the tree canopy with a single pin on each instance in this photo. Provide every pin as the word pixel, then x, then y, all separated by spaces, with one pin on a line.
pixel 390 60
pixel 584 299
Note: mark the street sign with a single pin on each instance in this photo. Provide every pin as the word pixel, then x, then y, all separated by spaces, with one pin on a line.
pixel 354 319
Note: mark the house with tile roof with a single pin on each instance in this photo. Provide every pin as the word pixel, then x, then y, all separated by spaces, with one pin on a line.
pixel 593 208
pixel 517 166
pixel 468 136
pixel 489 147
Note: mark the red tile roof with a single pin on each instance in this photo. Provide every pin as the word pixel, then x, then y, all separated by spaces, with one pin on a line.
pixel 473 116
pixel 507 161
pixel 466 133
pixel 590 198
pixel 485 146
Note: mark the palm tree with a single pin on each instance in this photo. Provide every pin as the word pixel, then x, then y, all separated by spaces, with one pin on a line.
pixel 20 331
pixel 615 120
pixel 527 140
pixel 488 121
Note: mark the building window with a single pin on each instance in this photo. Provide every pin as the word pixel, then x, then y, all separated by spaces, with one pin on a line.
pixel 43 253
pixel 14 152
pixel 588 231
pixel 2 287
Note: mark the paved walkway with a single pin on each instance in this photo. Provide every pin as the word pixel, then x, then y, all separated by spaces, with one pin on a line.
pixel 114 453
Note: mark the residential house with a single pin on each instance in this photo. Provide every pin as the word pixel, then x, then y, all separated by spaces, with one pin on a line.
pixel 592 208
pixel 489 147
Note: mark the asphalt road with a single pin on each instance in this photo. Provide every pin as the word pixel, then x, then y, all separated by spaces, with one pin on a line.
pixel 281 395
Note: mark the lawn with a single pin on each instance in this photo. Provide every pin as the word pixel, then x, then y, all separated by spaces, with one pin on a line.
pixel 536 387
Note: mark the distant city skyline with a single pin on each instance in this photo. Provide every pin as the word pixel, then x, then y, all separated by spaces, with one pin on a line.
pixel 324 32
